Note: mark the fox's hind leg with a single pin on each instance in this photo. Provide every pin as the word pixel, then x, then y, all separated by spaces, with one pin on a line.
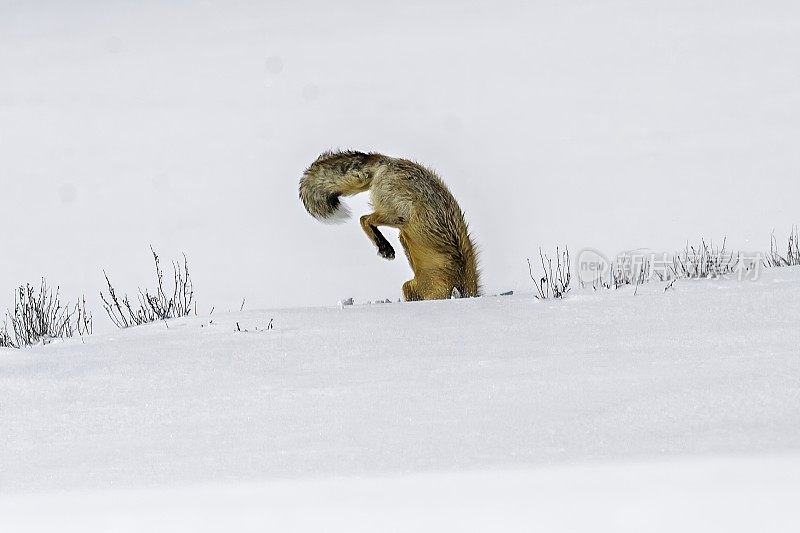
pixel 406 249
pixel 370 223
pixel 425 286
pixel 410 291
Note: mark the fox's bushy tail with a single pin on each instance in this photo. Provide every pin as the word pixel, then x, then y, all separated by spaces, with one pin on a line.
pixel 332 175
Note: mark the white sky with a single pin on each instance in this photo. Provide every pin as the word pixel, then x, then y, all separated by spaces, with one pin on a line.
pixel 614 125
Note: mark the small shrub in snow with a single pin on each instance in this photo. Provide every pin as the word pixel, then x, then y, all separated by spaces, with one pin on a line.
pixel 5 339
pixel 705 261
pixel 554 283
pixel 627 270
pixel 632 268
pixel 792 257
pixel 637 267
pixel 152 306
pixel 39 316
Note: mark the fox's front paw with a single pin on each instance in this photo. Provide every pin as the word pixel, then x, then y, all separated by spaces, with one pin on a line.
pixel 387 252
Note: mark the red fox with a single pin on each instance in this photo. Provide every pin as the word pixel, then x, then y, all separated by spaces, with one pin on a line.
pixel 407 196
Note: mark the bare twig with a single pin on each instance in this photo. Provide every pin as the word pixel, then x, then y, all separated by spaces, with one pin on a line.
pixel 5 338
pixel 705 261
pixel 153 306
pixel 39 315
pixel 555 280
pixel 792 257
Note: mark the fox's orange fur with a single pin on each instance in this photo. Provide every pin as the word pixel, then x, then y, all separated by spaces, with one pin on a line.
pixel 407 196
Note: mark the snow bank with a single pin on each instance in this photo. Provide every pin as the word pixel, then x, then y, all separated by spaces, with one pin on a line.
pixel 495 409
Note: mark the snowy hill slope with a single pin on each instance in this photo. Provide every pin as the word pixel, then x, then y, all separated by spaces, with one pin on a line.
pixel 681 405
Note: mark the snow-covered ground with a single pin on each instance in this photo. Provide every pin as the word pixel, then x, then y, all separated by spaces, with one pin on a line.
pixel 608 411
pixel 726 495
